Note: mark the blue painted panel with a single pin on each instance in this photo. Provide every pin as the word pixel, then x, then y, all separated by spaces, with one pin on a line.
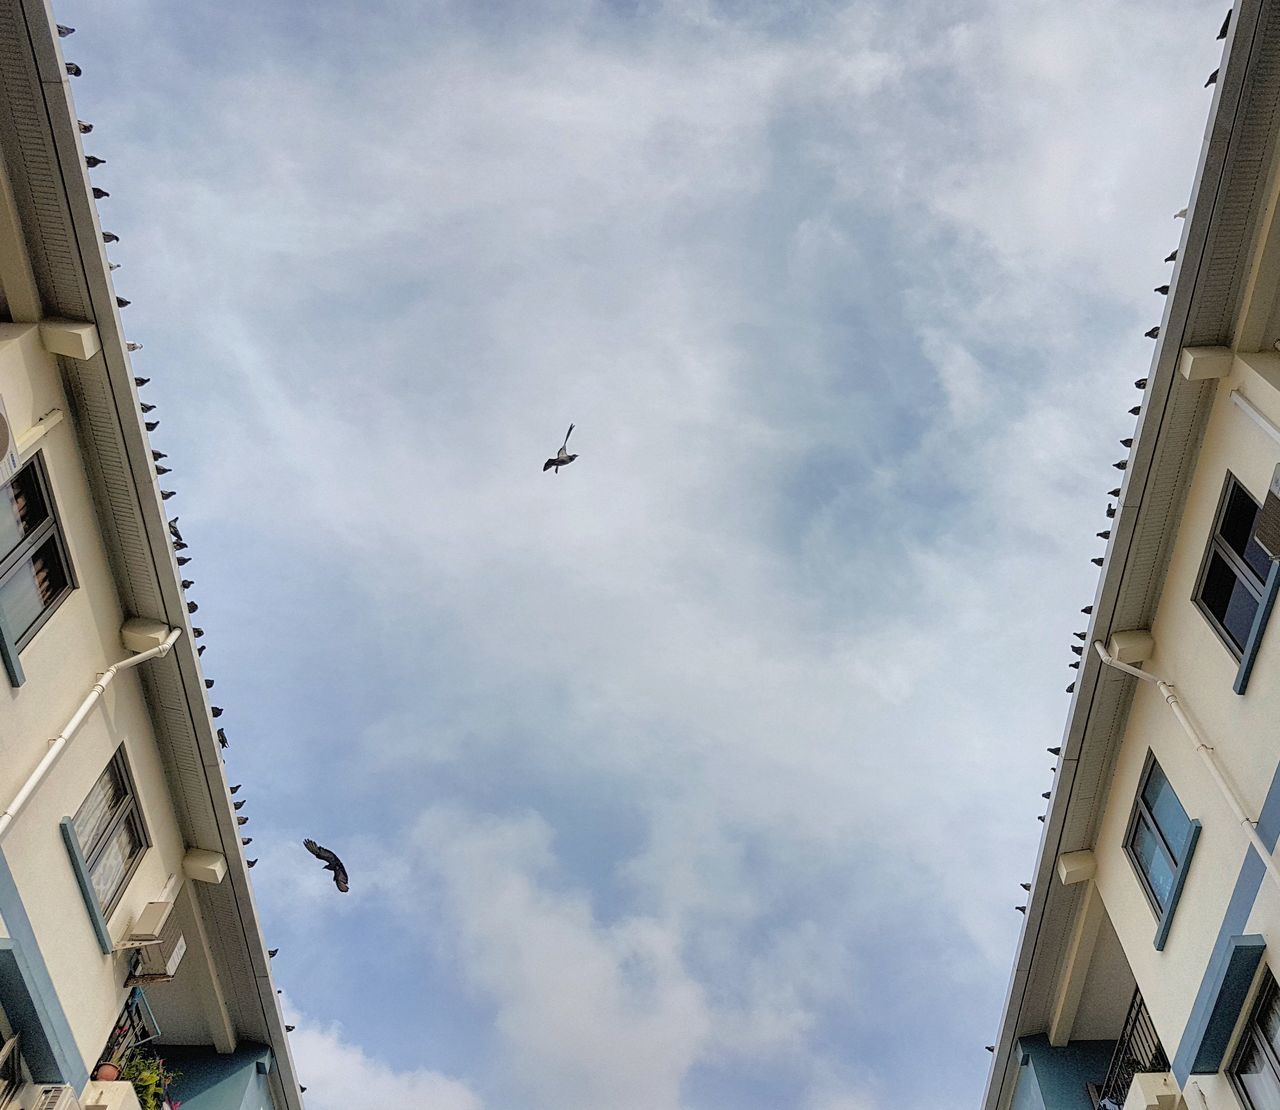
pixel 1179 880
pixel 1058 1078
pixel 87 892
pixel 1233 971
pixel 1254 642
pixel 9 656
pixel 29 996
pixel 209 1081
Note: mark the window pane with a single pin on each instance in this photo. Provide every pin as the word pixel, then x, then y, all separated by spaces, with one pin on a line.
pixel 109 871
pixel 1171 819
pixel 1229 600
pixel 1155 866
pixel 31 588
pixel 22 509
pixel 1239 520
pixel 1258 1080
pixel 94 814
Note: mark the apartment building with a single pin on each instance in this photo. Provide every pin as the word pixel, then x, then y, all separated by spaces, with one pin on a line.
pixel 128 931
pixel 1146 973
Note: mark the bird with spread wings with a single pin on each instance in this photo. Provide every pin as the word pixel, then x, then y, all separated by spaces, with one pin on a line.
pixel 331 863
pixel 563 458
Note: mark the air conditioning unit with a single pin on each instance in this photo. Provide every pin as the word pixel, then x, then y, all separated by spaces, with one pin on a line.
pixel 157 939
pixel 8 446
pixel 58 1096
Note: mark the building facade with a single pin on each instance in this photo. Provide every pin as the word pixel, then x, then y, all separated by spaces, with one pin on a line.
pixel 128 931
pixel 1146 973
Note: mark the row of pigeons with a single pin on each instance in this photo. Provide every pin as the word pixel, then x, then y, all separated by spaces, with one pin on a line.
pixel 1141 384
pixel 332 863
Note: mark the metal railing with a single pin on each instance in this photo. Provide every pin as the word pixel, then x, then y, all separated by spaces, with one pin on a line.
pixel 1137 1050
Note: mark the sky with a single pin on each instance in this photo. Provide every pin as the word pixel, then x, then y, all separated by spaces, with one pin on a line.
pixel 700 775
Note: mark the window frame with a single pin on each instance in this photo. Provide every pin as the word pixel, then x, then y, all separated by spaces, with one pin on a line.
pixel 126 811
pixel 1242 571
pixel 26 547
pixel 1252 1037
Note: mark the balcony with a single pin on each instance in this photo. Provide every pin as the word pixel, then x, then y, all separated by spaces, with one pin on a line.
pixel 1138 1051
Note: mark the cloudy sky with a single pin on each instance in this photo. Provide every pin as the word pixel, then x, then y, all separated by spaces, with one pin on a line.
pixel 700 776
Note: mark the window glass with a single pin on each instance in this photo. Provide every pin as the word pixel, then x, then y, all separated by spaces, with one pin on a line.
pixel 110 831
pixel 1167 812
pixel 1152 861
pixel 1229 599
pixel 31 588
pixel 95 811
pixel 22 509
pixel 113 861
pixel 1239 519
pixel 1255 1074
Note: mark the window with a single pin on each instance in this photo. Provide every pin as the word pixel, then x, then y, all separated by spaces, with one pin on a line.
pixel 10 1070
pixel 1255 1071
pixel 1235 568
pixel 35 573
pixel 109 829
pixel 1160 838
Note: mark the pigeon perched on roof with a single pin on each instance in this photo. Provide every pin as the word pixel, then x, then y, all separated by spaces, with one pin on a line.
pixel 73 70
pixel 92 161
pixel 331 863
pixel 110 237
pixel 133 346
pixel 100 194
pixel 1213 79
pixel 85 128
pixel 1153 333
pixel 64 31
pixel 1163 290
pixel 563 458
pixel 1181 214
pixel 1173 257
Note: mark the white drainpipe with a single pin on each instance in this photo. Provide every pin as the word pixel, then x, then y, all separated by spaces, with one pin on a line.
pixel 59 742
pixel 1204 749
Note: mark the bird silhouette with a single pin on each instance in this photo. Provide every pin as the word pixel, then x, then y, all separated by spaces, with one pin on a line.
pixel 100 194
pixel 331 863
pixel 562 457
pixel 133 346
pixel 63 31
pixel 110 237
pixel 1153 333
pixel 1222 34
pixel 93 161
pixel 73 70
pixel 1173 256
pixel 85 128
pixel 1213 79
pixel 222 738
pixel 1163 290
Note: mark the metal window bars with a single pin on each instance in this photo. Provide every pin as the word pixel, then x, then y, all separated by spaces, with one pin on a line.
pixel 135 1026
pixel 1137 1050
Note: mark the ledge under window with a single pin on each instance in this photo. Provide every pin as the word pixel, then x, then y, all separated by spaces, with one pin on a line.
pixel 81 869
pixel 1179 880
pixel 1254 643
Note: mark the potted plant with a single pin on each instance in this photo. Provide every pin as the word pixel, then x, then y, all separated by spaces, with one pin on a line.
pixel 150 1078
pixel 108 1071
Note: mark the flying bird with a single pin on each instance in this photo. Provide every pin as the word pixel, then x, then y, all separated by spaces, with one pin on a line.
pixel 563 458
pixel 332 862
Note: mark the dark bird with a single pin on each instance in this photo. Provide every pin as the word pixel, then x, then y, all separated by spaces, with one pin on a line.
pixel 173 524
pixel 1046 794
pixel 1054 751
pixel 113 266
pixel 1105 534
pixel 187 583
pixel 1074 666
pixel 146 407
pixel 1163 290
pixel 1180 214
pixel 192 607
pixel 1041 820
pixel 1127 441
pixel 85 128
pixel 1114 492
pixel 1096 562
pixel 1076 649
pixel 198 633
pixel 133 346
pixel 242 820
pixel 1121 465
pixel 990 1048
pixel 1087 610
pixel 222 738
pixel 93 161
pixel 1173 256
pixel 237 806
pixel 246 840
pixel 158 455
pixel 163 470
pixel 1226 25
pixel 178 545
pixel 1153 332
pixel 1111 512
pixel 208 684
pixel 563 458
pixel 251 863
pixel 63 32
pixel 200 649
pixel 304 1090
pixel 1025 886
pixel 235 789
pixel 100 194
pixel 290 1028
pixel 140 382
pixel 1213 79
pixel 110 237
pixel 165 494
pixel 1079 635
pixel 216 710
pixel 1135 410
pixel 1023 909
pixel 122 303
pixel 332 862
pixel 183 560
pixel 1071 689
pixel 273 952
pixel 73 70
pixel 152 425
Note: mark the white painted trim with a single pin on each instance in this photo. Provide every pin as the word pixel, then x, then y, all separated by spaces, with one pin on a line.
pixel 26 443
pixel 1251 411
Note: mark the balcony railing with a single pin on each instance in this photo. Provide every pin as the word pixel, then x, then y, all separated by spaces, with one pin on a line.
pixel 1137 1050
pixel 133 1028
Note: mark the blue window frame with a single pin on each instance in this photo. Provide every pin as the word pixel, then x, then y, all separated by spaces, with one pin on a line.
pixel 1234 573
pixel 1160 841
